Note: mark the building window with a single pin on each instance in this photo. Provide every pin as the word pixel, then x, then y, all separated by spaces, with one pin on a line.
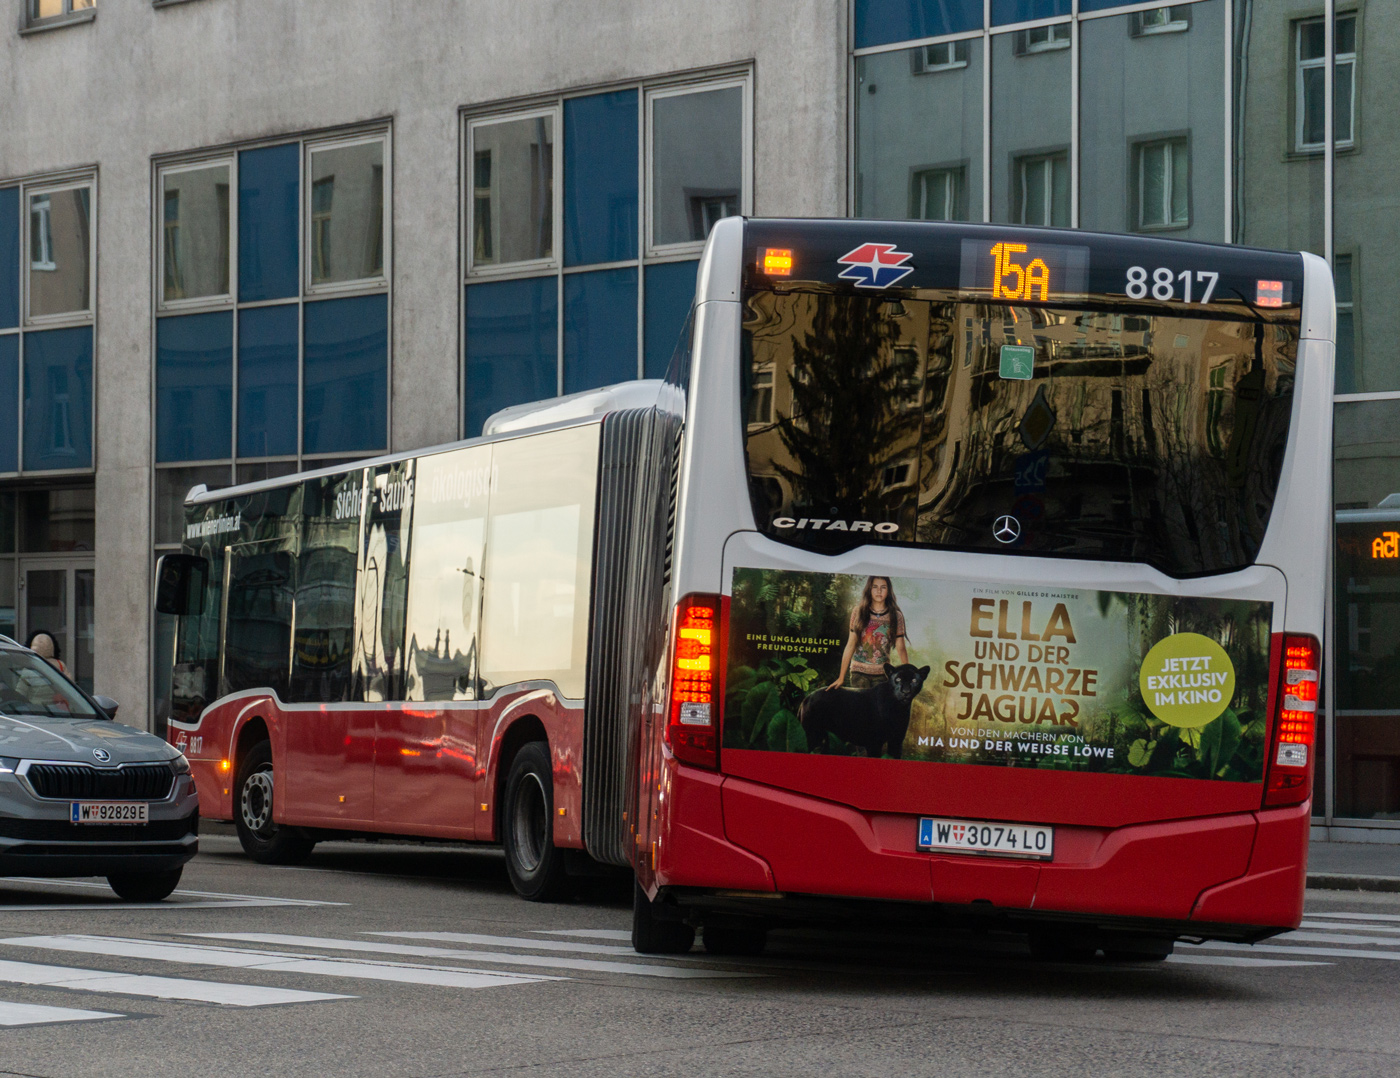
pixel 939 194
pixel 1310 88
pixel 1162 20
pixel 761 397
pixel 195 229
pixel 42 11
pixel 1163 169
pixel 944 56
pixel 345 219
pixel 272 328
pixel 896 475
pixel 1041 194
pixel 582 222
pixel 1043 39
pixel 41 234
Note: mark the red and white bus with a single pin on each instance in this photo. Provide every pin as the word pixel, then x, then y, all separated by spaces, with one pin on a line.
pixel 952 569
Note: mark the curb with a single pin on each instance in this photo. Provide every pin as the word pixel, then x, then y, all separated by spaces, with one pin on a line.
pixel 1344 881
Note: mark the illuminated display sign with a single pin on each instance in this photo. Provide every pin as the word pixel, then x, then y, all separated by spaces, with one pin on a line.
pixel 1034 272
pixel 1386 546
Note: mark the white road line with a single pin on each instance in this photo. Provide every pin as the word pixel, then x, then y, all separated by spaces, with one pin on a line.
pixel 131 984
pixel 32 1014
pixel 1334 937
pixel 595 933
pixel 490 957
pixel 1392 917
pixel 1338 926
pixel 1227 960
pixel 518 943
pixel 178 900
pixel 315 965
pixel 1323 952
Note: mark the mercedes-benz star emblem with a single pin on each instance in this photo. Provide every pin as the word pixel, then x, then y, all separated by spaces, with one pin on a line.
pixel 101 755
pixel 1007 529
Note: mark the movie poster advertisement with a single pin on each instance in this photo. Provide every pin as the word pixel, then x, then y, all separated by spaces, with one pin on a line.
pixel 1010 676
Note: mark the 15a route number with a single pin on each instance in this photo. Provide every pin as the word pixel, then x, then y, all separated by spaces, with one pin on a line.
pixel 1163 284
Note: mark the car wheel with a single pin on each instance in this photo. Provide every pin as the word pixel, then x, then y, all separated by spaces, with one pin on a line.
pixel 535 865
pixel 263 839
pixel 657 935
pixel 144 886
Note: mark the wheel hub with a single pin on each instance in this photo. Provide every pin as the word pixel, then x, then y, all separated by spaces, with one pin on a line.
pixel 531 819
pixel 255 802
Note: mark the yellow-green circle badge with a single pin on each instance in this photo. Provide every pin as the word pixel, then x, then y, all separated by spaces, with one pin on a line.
pixel 1187 680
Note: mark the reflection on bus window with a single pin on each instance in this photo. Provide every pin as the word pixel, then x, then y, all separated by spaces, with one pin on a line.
pixel 444 589
pixel 381 586
pixel 539 559
pixel 325 588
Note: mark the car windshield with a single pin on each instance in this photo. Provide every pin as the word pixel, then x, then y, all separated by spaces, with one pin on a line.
pixel 30 686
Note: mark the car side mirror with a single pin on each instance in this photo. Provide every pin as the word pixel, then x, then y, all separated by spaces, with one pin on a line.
pixel 107 704
pixel 181 580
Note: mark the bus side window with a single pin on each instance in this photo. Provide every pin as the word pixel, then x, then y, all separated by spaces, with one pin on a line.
pixel 539 560
pixel 382 583
pixel 451 493
pixel 325 588
pixel 258 631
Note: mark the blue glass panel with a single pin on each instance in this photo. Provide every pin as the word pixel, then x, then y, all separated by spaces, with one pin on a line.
pixel 268 230
pixel 267 381
pixel 880 22
pixel 669 292
pixel 9 403
pixel 600 328
pixel 512 346
pixel 346 377
pixel 1100 5
pixel 600 178
pixel 194 387
pixel 9 257
pixel 1009 11
pixel 58 399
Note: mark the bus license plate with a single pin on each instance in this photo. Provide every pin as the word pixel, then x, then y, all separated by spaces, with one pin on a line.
pixel 111 812
pixel 977 836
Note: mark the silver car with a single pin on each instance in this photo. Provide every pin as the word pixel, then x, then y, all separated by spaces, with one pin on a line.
pixel 82 795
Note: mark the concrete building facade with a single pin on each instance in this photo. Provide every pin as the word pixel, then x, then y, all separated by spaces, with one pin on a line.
pixel 239 239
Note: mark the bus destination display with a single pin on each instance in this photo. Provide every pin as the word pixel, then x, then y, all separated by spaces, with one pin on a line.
pixel 1031 272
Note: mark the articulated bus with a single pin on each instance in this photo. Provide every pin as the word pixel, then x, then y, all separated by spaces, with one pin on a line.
pixel 954 572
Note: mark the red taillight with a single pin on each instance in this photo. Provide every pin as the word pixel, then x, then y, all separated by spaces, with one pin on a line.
pixel 1290 751
pixel 692 729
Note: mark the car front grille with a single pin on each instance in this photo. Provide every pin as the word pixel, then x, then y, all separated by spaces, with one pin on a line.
pixel 79 782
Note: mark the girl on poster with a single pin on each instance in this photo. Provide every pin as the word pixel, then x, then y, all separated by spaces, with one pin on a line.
pixel 877 628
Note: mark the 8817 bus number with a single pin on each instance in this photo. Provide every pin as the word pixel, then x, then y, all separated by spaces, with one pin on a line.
pixel 1162 284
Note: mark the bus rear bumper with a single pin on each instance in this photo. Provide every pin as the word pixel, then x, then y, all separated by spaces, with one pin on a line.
pixel 1233 876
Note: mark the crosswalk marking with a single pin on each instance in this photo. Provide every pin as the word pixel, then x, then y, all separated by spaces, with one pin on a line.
pixel 276 962
pixel 1346 916
pixel 1335 937
pixel 594 933
pixel 516 942
pixel 181 899
pixel 1341 926
pixel 1231 960
pixel 33 1014
pixel 1321 952
pixel 132 984
pixel 490 957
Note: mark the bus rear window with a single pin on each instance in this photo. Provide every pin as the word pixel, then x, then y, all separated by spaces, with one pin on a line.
pixel 1100 432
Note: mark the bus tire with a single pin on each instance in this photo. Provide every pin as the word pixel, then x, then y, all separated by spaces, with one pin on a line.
pixel 656 935
pixel 1062 945
pixel 1140 949
pixel 536 866
pixel 144 886
pixel 262 838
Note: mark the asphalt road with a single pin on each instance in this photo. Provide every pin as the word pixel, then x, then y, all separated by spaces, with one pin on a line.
pixel 392 960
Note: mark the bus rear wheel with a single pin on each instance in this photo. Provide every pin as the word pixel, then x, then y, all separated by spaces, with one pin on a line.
pixel 262 838
pixel 535 864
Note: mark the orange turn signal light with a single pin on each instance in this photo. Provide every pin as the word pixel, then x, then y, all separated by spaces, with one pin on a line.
pixel 777 262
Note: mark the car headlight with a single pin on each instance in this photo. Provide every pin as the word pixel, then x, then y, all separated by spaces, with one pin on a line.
pixel 8 765
pixel 180 764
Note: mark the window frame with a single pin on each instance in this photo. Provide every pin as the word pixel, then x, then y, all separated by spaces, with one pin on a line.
pixel 359 285
pixel 1300 66
pixel 467 206
pixel 1022 45
pixel 918 56
pixel 1171 141
pixel 918 188
pixel 214 301
pixel 1178 21
pixel 86 316
pixel 651 94
pixel 70 15
pixel 1019 187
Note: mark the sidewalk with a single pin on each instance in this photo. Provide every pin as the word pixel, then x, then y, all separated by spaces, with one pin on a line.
pixel 1354 866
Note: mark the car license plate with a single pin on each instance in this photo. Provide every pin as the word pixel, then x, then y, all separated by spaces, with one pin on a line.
pixel 111 812
pixel 979 836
